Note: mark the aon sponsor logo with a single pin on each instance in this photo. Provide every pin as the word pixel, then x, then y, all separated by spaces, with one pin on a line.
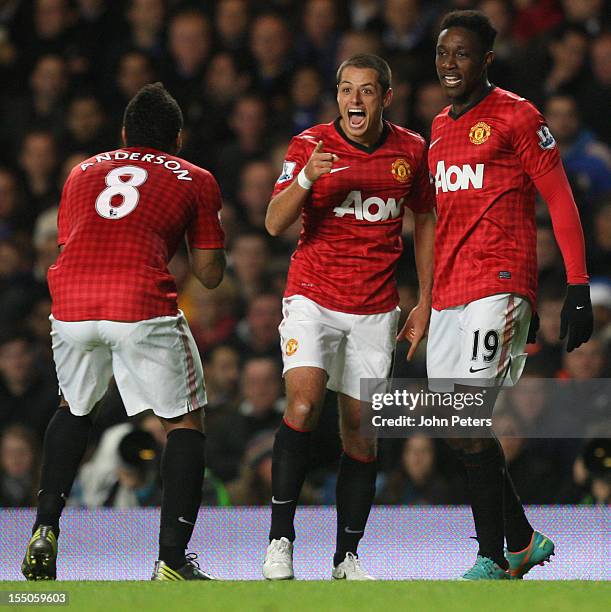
pixel 455 177
pixel 371 209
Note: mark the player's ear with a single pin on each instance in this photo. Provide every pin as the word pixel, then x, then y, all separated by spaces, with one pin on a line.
pixel 488 59
pixel 387 98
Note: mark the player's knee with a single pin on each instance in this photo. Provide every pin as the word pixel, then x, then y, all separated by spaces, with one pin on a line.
pixel 359 448
pixel 302 414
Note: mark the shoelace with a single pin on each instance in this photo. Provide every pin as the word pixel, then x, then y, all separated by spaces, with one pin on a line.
pixel 356 564
pixel 192 559
pixel 485 563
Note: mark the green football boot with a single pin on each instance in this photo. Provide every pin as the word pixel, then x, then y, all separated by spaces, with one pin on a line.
pixel 485 569
pixel 538 552
pixel 189 571
pixel 41 555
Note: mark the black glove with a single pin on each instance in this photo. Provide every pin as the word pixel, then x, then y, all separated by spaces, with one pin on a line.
pixel 533 329
pixel 576 317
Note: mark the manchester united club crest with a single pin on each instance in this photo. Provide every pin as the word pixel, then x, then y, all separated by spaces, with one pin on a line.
pixel 401 170
pixel 479 133
pixel 291 347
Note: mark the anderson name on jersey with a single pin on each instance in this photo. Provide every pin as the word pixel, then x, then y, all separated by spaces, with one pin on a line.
pixel 121 218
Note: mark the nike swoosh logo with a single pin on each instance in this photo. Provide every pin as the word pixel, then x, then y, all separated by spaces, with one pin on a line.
pixel 435 142
pixel 182 519
pixel 543 543
pixel 277 501
pixel 338 169
pixel 579 307
pixel 473 370
pixel 348 530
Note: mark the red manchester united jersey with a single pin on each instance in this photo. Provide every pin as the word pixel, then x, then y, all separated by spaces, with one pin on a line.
pixel 484 162
pixel 351 237
pixel 121 217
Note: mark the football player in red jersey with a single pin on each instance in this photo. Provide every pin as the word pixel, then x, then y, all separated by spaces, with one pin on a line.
pixel 350 180
pixel 122 215
pixel 489 151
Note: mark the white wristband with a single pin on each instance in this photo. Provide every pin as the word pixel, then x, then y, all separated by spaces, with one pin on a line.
pixel 304 181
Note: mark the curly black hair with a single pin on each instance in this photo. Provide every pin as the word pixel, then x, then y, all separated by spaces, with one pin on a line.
pixel 152 119
pixel 474 21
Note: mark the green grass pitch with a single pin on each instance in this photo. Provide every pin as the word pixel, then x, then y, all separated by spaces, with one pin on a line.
pixel 324 596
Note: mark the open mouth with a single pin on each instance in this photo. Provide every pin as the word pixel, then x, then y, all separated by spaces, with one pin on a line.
pixel 356 117
pixel 451 81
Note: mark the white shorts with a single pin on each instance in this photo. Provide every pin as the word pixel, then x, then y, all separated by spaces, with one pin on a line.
pixel 155 363
pixel 481 343
pixel 347 346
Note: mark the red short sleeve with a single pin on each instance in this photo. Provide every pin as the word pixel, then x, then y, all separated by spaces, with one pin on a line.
pixel 296 158
pixel 205 231
pixel 532 140
pixel 422 195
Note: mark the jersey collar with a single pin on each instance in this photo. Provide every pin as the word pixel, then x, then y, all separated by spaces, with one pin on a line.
pixel 374 147
pixel 455 116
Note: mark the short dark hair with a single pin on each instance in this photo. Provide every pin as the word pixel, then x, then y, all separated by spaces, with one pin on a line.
pixel 368 60
pixel 474 21
pixel 152 119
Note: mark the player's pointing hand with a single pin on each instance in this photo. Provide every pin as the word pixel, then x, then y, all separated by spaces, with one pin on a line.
pixel 415 328
pixel 319 163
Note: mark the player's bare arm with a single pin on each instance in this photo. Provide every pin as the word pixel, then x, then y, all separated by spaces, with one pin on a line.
pixel 209 266
pixel 417 323
pixel 285 208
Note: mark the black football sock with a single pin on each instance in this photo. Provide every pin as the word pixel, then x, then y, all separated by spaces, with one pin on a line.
pixel 518 531
pixel 486 481
pixel 182 475
pixel 290 460
pixel 63 449
pixel 356 487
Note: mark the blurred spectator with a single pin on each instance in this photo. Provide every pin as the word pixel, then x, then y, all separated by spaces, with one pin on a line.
pixel 586 160
pixel 586 362
pixel 567 54
pixel 599 246
pixel 601 305
pixel 38 161
pixel 86 127
pixel 257 178
pixel 222 376
pixel 363 12
pixel 587 13
pixel 260 410
pixel 430 101
pixel 14 219
pixel 18 467
pixel 317 44
pixel 591 476
pixel 258 332
pixel 306 92
pixel 354 42
pixel 595 95
pixel 249 261
pixel 145 19
pixel 248 122
pixel 416 480
pixel 211 313
pixel 546 355
pixel 231 20
pixel 270 46
pixel 45 243
pixel 28 395
pixel 189 45
pixel 549 260
pixel 43 108
pixel 533 470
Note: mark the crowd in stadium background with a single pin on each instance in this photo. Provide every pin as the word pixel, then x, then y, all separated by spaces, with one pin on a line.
pixel 248 76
